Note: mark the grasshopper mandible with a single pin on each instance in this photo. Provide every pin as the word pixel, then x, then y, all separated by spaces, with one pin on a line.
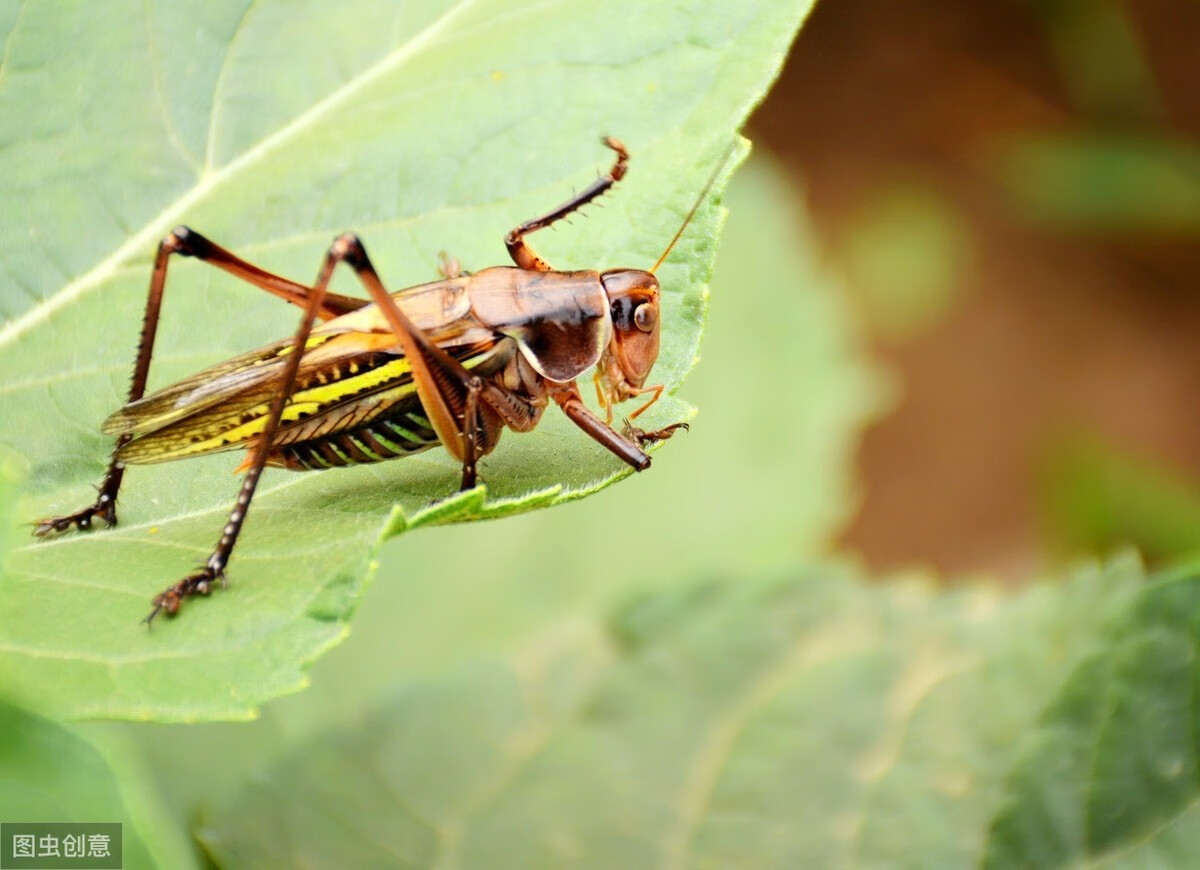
pixel 451 362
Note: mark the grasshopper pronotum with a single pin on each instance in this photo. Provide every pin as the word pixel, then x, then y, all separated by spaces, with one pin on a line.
pixel 452 362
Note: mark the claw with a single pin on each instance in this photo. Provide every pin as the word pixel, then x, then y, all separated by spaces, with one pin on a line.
pixel 199 582
pixel 644 438
pixel 54 524
pixel 81 520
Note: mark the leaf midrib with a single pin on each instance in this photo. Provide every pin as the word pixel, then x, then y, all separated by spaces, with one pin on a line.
pixel 209 181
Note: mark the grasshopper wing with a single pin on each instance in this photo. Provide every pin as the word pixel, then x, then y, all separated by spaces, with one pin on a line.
pixel 353 370
pixel 235 383
pixel 224 407
pixel 218 384
pixel 344 382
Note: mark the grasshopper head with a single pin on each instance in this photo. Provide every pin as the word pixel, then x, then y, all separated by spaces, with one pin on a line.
pixel 633 304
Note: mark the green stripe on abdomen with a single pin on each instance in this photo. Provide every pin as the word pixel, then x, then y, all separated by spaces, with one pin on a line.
pixel 380 440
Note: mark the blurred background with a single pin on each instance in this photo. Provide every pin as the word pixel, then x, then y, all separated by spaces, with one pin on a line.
pixel 1011 190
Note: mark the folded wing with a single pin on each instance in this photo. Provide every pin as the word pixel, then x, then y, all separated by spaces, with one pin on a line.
pixel 343 380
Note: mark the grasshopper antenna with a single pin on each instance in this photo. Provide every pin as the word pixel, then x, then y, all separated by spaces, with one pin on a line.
pixel 712 179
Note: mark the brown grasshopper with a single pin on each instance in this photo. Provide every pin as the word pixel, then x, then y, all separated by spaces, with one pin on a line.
pixel 451 362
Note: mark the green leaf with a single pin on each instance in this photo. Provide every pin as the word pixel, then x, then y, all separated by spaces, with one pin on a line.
pixel 1119 185
pixel 809 721
pixel 1103 62
pixel 279 131
pixel 54 774
pixel 1112 775
pixel 904 250
pixel 1096 495
pixel 9 525
pixel 790 455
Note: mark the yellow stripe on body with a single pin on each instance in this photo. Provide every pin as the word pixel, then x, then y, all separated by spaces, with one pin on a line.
pixel 327 395
pixel 313 341
pixel 311 401
pixel 307 403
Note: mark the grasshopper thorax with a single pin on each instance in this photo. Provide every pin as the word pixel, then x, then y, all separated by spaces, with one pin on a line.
pixel 633 305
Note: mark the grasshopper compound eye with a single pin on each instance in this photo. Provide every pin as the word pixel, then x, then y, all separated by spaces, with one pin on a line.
pixel 645 317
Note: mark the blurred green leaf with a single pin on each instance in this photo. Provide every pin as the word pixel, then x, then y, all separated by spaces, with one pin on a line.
pixel 279 131
pixel 54 774
pixel 1095 497
pixel 904 251
pixel 1110 777
pixel 1102 61
pixel 1103 183
pixel 811 721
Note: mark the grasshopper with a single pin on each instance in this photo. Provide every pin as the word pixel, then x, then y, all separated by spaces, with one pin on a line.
pixel 451 362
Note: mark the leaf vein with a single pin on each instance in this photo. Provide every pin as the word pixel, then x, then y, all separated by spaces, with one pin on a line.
pixel 159 224
pixel 218 84
pixel 156 82
pixel 9 39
